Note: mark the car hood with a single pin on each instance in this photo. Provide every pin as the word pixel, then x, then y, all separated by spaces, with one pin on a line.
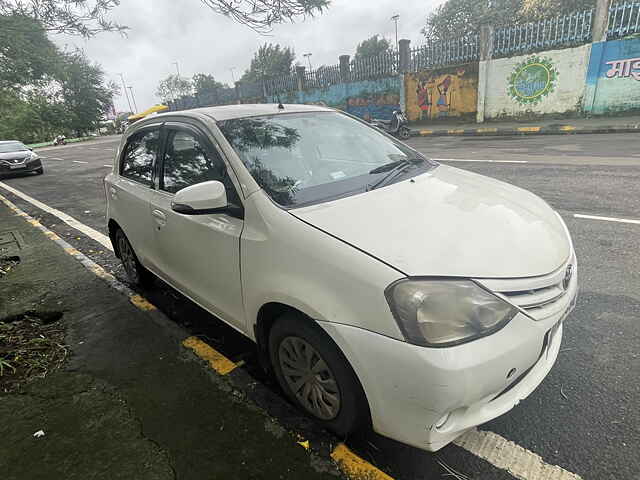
pixel 449 222
pixel 14 155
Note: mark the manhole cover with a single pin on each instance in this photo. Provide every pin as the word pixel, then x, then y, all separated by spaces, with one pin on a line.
pixel 10 242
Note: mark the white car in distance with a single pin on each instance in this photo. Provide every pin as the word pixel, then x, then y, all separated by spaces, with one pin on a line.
pixel 380 286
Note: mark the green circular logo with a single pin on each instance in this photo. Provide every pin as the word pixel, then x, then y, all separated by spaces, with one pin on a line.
pixel 532 80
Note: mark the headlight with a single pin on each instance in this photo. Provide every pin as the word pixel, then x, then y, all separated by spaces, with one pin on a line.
pixel 442 313
pixel 33 156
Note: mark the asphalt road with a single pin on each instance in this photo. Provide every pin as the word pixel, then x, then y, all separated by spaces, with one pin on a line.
pixel 584 417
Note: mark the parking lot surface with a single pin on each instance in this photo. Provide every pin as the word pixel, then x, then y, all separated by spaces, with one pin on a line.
pixel 582 422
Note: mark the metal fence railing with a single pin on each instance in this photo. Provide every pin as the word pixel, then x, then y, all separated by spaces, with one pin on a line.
pixel 323 77
pixel 281 84
pixel 624 19
pixel 452 52
pixel 561 31
pixel 369 68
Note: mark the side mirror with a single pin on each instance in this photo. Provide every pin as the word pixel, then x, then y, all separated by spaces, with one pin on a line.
pixel 201 199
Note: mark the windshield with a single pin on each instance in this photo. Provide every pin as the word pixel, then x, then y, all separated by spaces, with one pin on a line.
pixel 305 158
pixel 12 147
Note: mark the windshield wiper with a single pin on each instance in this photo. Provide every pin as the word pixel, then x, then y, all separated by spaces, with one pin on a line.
pixel 394 169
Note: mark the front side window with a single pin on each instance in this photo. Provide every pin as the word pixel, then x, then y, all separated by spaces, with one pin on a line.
pixel 306 158
pixel 140 156
pixel 187 162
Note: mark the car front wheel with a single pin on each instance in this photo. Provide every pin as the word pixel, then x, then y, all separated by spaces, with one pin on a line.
pixel 316 376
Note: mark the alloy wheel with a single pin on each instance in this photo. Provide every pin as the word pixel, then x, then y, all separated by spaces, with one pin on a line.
pixel 128 259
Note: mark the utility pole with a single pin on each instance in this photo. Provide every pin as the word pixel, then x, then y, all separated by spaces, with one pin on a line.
pixel 177 68
pixel 133 98
pixel 395 18
pixel 308 55
pixel 124 85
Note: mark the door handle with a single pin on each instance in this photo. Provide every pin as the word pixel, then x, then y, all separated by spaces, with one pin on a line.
pixel 159 217
pixel 113 192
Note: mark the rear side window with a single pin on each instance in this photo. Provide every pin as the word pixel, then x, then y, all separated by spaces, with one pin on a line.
pixel 140 156
pixel 188 162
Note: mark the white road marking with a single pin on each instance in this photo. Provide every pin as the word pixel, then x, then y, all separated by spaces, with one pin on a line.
pixel 607 219
pixel 109 149
pixel 505 454
pixel 72 222
pixel 78 161
pixel 107 166
pixel 53 158
pixel 477 161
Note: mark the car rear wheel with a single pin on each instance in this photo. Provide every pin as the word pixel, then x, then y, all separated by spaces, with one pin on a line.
pixel 137 274
pixel 39 171
pixel 315 375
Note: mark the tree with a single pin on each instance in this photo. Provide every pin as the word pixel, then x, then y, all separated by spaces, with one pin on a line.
pixel 173 87
pixel 261 15
pixel 206 84
pixel 75 17
pixel 269 61
pixel 372 47
pixel 535 9
pixel 27 56
pixel 459 18
pixel 87 96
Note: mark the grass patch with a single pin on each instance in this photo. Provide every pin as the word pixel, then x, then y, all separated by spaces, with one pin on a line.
pixel 31 346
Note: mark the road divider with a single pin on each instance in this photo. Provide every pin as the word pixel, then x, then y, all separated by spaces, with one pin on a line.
pixel 354 466
pixel 206 352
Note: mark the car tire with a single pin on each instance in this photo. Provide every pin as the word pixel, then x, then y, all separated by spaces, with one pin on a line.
pixel 333 395
pixel 405 133
pixel 39 171
pixel 136 273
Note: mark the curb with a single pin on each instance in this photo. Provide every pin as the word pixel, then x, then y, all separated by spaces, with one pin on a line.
pixel 526 130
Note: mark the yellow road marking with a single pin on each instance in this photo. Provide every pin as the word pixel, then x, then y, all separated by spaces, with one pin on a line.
pixel 71 251
pixel 567 128
pixel 51 235
pixel 529 129
pixel 487 130
pixel 355 467
pixel 142 303
pixel 217 361
pixel 455 132
pixel 426 132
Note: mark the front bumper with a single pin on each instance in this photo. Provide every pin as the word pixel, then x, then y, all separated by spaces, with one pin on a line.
pixel 26 167
pixel 426 397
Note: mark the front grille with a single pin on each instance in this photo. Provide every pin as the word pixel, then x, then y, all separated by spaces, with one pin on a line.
pixel 541 297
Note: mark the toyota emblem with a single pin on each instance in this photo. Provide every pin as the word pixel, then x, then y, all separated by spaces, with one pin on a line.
pixel 567 277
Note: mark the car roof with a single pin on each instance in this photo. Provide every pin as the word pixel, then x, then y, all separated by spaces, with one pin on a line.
pixel 227 112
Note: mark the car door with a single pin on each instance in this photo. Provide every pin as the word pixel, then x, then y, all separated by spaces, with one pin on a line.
pixel 197 254
pixel 130 191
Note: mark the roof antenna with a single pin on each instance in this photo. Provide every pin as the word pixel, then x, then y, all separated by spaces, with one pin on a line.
pixel 280 105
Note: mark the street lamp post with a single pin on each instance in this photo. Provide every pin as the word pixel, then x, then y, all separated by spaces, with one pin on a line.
pixel 177 68
pixel 395 18
pixel 124 85
pixel 233 75
pixel 308 55
pixel 133 98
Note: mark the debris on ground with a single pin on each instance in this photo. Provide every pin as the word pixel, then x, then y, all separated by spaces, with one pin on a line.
pixel 7 264
pixel 39 433
pixel 31 346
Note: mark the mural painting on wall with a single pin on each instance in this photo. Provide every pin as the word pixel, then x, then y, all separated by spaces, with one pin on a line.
pixel 376 105
pixel 440 94
pixel 532 80
pixel 624 68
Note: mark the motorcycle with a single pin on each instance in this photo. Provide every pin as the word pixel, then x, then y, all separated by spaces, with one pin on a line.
pixel 60 140
pixel 398 126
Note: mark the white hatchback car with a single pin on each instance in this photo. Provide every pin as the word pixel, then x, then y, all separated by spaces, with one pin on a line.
pixel 379 286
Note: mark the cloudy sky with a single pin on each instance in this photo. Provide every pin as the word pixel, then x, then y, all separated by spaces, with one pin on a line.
pixel 165 31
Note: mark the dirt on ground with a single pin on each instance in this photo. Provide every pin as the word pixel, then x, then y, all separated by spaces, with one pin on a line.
pixel 31 346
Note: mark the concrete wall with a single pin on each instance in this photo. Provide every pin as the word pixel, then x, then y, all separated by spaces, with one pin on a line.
pixel 373 98
pixel 441 94
pixel 551 82
pixel 613 87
